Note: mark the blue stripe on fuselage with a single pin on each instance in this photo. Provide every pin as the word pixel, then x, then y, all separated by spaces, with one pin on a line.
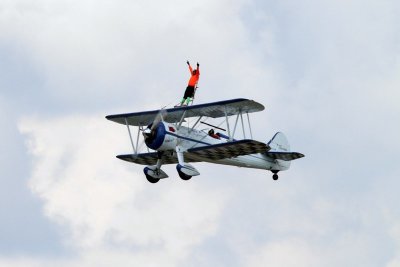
pixel 188 139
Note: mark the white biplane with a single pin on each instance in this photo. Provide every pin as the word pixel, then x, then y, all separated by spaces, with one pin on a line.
pixel 172 140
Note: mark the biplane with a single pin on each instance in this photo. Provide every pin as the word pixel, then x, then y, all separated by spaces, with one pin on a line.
pixel 173 136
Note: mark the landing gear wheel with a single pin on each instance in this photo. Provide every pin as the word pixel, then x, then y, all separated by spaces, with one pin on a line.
pixel 275 176
pixel 151 179
pixel 184 176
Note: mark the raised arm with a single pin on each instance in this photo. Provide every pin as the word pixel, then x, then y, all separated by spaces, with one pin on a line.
pixel 190 67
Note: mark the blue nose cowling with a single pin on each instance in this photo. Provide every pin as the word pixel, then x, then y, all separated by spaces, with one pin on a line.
pixel 158 139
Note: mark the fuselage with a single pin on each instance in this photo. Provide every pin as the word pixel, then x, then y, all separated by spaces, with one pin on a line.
pixel 186 138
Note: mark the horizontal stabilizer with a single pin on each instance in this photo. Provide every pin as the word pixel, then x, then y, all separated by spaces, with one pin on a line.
pixel 287 156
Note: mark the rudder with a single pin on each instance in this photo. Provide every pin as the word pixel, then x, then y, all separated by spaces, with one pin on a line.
pixel 279 143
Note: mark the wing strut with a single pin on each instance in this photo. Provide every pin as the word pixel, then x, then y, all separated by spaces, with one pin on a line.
pixel 248 120
pixel 194 125
pixel 130 136
pixel 137 138
pixel 227 123
pixel 234 128
pixel 180 122
pixel 241 120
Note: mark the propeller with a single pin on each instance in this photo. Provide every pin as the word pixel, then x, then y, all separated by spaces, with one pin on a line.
pixel 159 117
pixel 150 132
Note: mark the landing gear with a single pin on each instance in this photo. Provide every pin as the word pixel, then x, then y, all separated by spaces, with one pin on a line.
pixel 275 176
pixel 154 174
pixel 184 176
pixel 185 170
pixel 151 179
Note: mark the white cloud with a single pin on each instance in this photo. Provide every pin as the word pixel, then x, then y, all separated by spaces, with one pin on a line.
pixel 127 48
pixel 105 203
pixel 284 253
pixel 392 224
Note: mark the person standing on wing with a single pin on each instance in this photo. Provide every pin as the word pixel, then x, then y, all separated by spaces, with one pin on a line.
pixel 194 78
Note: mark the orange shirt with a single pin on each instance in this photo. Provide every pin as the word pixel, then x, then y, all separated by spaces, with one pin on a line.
pixel 193 78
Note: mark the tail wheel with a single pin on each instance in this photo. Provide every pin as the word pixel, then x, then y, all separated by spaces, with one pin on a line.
pixel 184 176
pixel 275 176
pixel 151 179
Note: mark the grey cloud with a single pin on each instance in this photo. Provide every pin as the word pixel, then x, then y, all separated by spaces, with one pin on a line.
pixel 24 229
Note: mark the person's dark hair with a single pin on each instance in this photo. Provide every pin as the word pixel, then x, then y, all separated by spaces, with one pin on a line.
pixel 194 72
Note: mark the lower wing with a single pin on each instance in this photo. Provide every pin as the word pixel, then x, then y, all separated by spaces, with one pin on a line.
pixel 198 154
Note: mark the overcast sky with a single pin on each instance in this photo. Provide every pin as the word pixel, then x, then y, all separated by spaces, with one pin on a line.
pixel 328 73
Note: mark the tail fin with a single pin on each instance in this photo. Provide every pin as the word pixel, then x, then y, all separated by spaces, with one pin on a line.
pixel 279 143
pixel 280 148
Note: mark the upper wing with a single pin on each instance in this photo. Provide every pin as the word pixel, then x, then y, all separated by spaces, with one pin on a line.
pixel 213 110
pixel 287 156
pixel 205 153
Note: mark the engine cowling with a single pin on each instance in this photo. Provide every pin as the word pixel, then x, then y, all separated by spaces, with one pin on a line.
pixel 159 139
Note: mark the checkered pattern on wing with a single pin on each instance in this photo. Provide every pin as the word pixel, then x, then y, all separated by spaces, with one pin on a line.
pixel 151 158
pixel 229 150
pixel 213 152
pixel 285 155
pixel 143 159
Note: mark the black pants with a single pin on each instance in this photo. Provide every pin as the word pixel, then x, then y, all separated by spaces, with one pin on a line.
pixel 189 92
